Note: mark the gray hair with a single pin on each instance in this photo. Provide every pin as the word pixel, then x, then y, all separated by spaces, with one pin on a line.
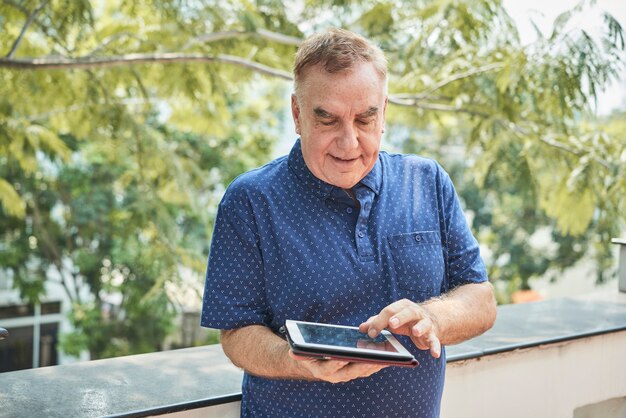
pixel 337 50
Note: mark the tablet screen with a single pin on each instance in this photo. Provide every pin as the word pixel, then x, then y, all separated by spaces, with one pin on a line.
pixel 343 337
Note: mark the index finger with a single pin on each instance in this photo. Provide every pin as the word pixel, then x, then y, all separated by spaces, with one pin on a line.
pixel 377 323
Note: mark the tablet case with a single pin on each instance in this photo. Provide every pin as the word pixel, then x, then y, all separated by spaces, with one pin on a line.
pixel 331 355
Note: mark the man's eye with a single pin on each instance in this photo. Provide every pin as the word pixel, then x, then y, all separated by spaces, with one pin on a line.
pixel 328 123
pixel 364 121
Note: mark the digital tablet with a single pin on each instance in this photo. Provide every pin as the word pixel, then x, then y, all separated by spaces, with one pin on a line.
pixel 342 342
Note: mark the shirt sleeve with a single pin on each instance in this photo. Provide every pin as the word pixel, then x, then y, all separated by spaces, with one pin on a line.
pixel 234 292
pixel 463 262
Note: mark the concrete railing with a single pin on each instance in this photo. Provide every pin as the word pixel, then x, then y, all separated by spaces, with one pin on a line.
pixel 546 381
pixel 554 358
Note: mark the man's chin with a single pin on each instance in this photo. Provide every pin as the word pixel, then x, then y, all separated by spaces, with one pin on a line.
pixel 344 183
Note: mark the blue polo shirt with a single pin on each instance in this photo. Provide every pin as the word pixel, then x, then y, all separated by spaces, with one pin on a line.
pixel 287 245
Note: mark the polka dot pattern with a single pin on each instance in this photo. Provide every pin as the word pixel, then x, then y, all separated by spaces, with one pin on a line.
pixel 287 245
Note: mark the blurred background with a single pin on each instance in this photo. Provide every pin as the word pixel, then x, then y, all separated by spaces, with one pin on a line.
pixel 122 123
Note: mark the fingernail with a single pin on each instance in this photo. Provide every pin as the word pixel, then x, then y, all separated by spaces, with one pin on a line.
pixel 394 322
pixel 372 333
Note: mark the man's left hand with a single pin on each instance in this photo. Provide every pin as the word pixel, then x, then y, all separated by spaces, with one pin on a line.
pixel 406 317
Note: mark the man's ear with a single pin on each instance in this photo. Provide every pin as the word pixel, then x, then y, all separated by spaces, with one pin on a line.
pixel 295 112
pixel 385 111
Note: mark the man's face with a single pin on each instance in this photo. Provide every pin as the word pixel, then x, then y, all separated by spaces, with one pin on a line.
pixel 340 119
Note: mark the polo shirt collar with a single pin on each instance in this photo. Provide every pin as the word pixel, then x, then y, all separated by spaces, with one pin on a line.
pixel 320 188
pixel 374 179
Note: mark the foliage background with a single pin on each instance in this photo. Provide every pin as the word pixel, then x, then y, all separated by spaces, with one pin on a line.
pixel 122 122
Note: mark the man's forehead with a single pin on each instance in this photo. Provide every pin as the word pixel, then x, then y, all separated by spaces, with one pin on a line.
pixel 364 73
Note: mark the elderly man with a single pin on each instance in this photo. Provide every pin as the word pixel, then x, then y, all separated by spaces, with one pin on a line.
pixel 338 232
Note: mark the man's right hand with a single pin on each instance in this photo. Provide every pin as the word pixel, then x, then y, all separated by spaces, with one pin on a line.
pixel 335 371
pixel 259 351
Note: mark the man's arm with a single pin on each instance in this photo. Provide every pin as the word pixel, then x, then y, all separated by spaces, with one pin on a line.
pixel 260 352
pixel 463 313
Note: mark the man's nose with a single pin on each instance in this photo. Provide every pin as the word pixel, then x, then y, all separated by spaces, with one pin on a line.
pixel 348 137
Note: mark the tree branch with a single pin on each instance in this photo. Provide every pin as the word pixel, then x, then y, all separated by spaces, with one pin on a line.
pixel 415 102
pixel 261 33
pixel 119 60
pixel 29 20
pixel 406 100
pixel 49 247
pixel 17 6
pixel 459 76
pixel 110 39
pixel 516 128
pixel 519 130
pixel 77 107
pixel 44 28
pixel 264 69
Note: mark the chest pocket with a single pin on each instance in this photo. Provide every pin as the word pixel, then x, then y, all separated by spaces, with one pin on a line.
pixel 418 261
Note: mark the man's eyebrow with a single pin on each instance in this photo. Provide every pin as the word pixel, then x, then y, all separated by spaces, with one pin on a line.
pixel 321 113
pixel 373 110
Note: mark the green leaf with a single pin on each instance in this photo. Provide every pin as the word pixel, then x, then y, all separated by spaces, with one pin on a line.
pixel 11 201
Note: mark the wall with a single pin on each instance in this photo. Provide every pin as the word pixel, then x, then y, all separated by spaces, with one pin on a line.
pixel 548 381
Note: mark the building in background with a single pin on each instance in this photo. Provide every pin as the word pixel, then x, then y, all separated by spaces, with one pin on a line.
pixel 33 329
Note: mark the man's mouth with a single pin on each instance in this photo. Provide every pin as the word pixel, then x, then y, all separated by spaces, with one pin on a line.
pixel 342 160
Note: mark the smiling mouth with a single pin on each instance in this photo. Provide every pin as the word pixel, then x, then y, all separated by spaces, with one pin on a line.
pixel 343 160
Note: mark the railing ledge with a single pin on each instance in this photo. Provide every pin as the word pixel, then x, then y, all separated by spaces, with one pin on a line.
pixel 202 377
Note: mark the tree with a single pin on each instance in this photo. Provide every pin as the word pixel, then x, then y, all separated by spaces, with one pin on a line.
pixel 114 203
pixel 137 116
pixel 533 160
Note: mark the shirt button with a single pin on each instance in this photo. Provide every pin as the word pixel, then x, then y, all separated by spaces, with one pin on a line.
pixel 361 234
pixel 349 210
pixel 418 238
